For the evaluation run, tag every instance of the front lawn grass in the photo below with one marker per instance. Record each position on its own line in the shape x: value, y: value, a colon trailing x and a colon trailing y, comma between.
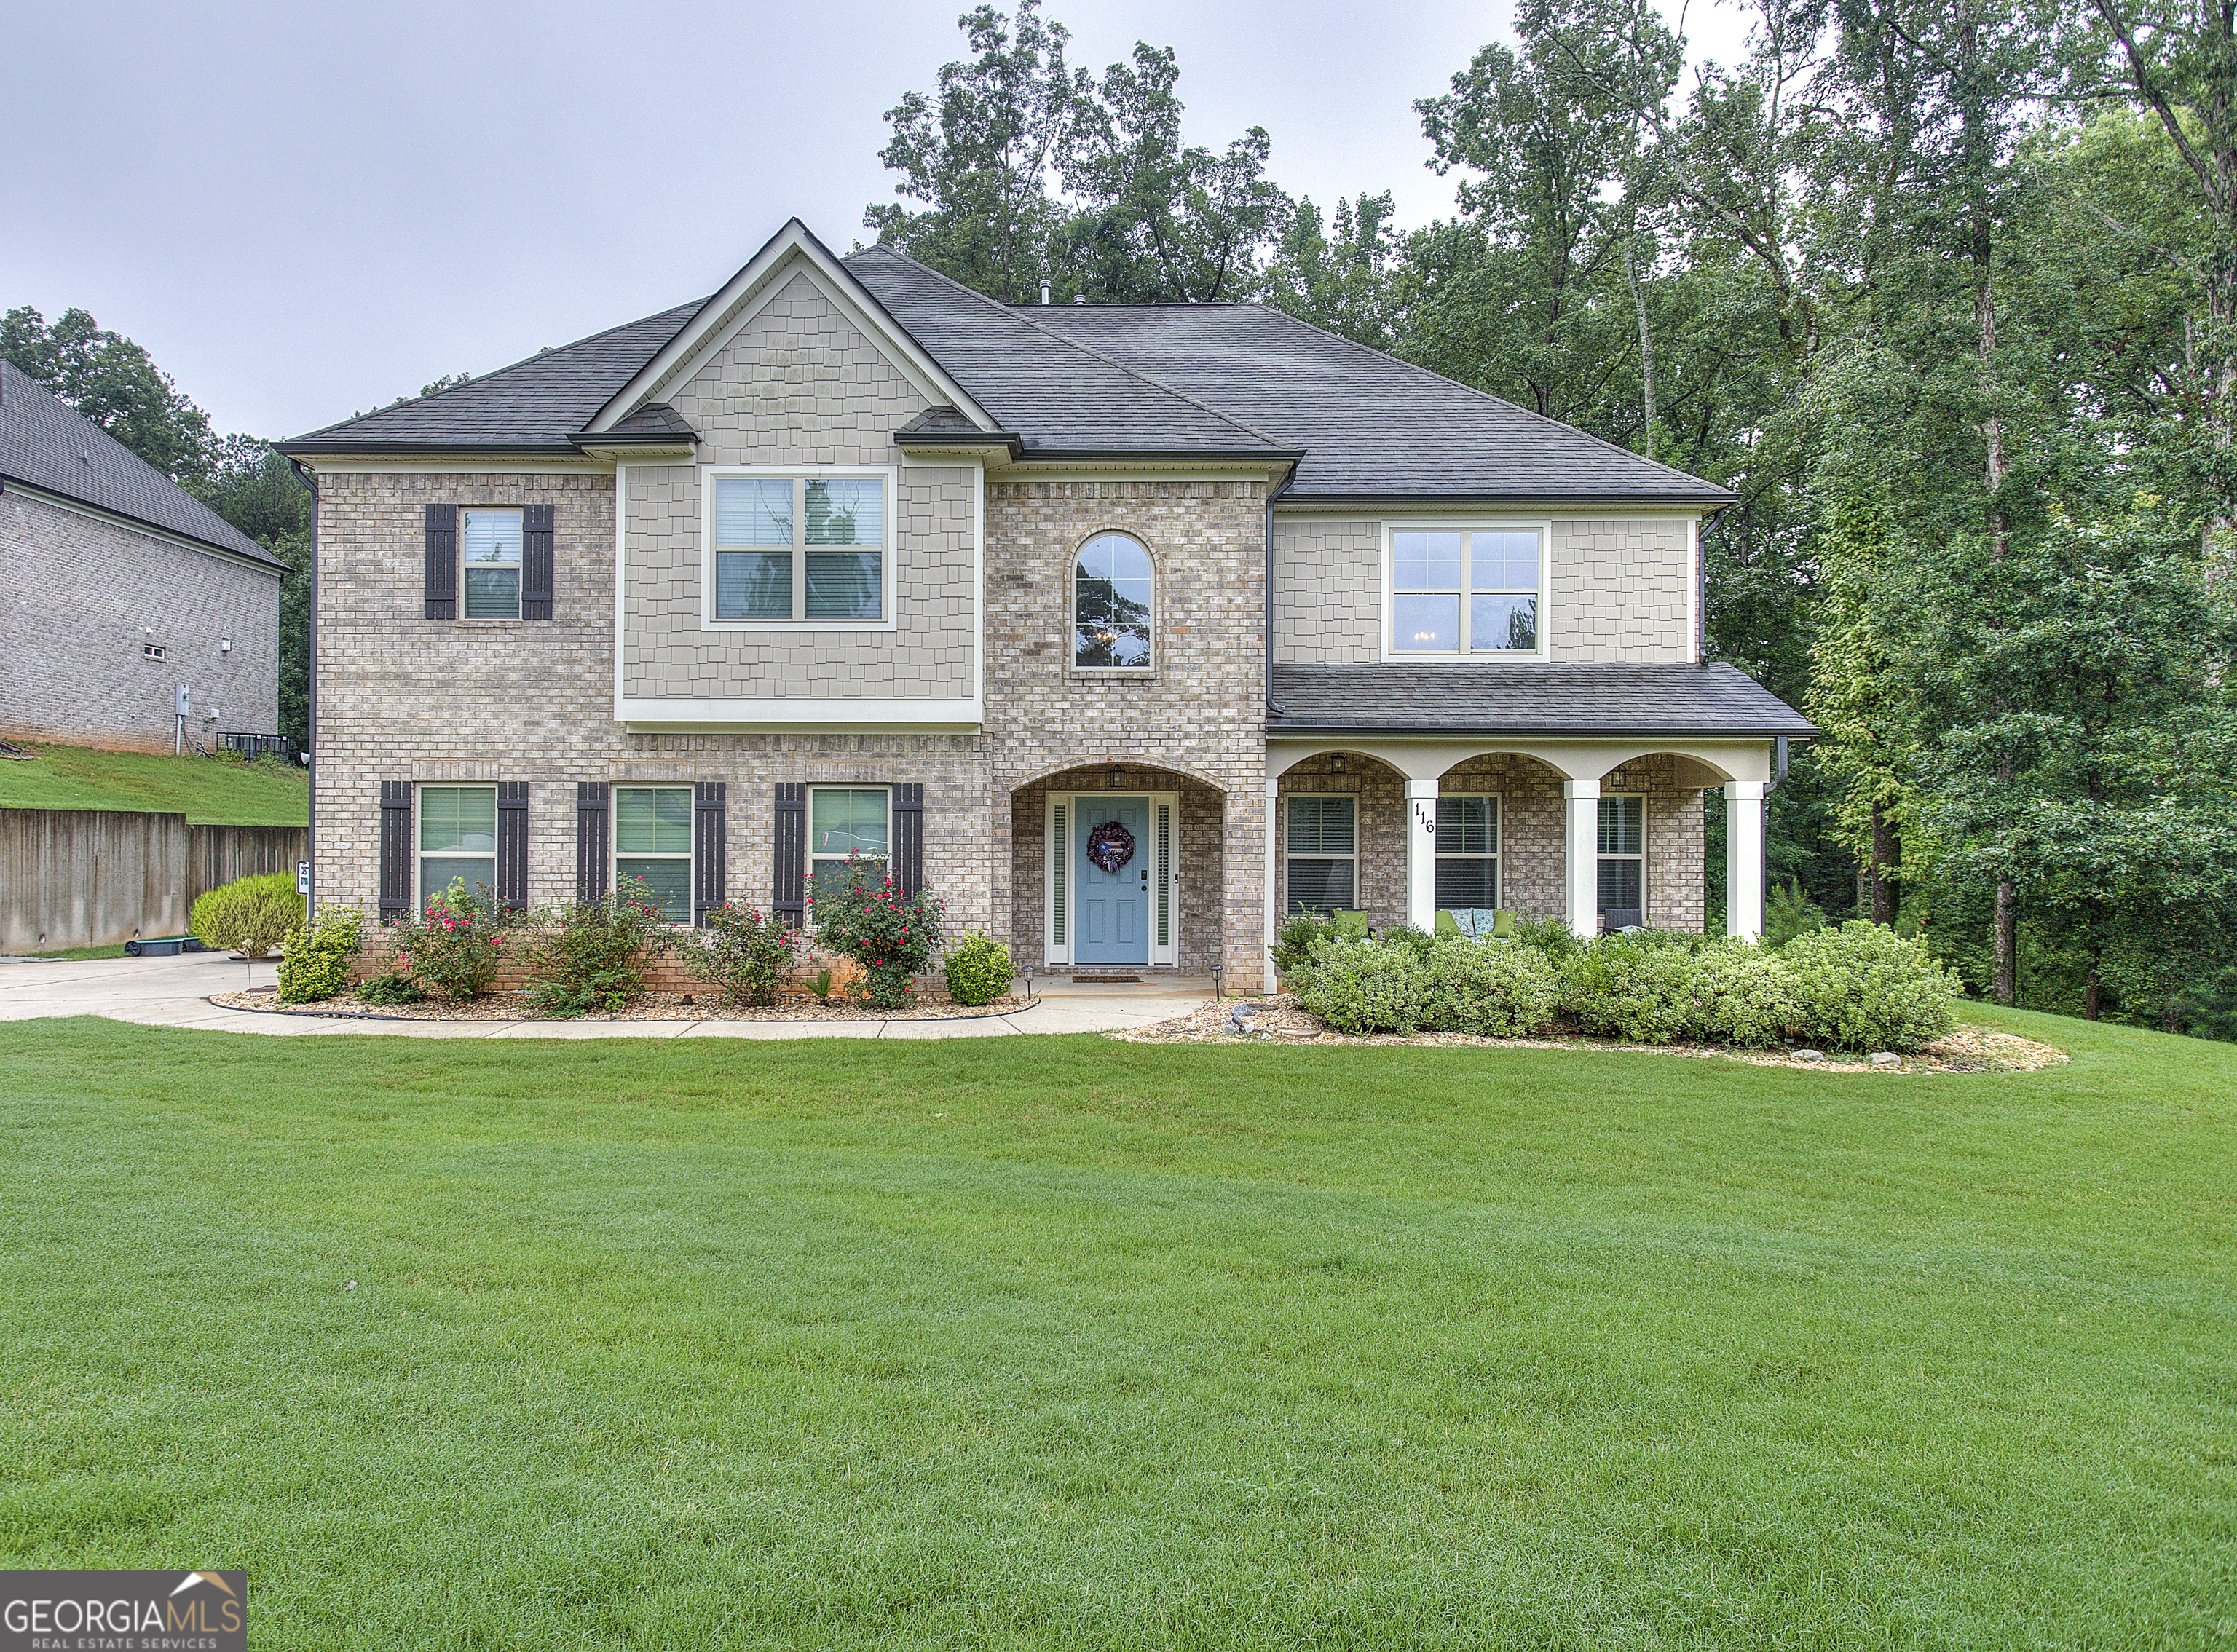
x: 1075, y: 1343
x: 206, y: 790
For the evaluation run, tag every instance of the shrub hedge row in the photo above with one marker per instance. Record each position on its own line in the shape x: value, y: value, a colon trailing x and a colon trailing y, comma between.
x: 1858, y: 987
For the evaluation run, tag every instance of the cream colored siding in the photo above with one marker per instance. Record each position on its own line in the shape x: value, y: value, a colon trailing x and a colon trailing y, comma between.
x: 1619, y: 590
x: 798, y: 384
x: 1327, y: 606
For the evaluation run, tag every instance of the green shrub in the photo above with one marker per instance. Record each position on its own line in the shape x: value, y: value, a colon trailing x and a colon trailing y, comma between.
x: 253, y: 914
x: 593, y: 955
x: 1298, y: 935
x: 1863, y: 987
x: 1633, y: 987
x: 455, y: 943
x: 1487, y: 988
x: 862, y: 913
x: 318, y: 964
x: 1547, y: 934
x: 743, y: 954
x: 979, y: 971
x: 390, y: 989
x: 1743, y: 994
x: 1364, y: 986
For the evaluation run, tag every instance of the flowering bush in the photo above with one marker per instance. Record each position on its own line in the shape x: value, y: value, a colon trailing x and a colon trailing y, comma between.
x: 454, y: 945
x: 743, y: 953
x: 862, y: 913
x: 593, y: 955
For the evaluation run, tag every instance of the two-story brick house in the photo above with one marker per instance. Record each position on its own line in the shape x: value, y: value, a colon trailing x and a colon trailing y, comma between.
x: 1120, y: 628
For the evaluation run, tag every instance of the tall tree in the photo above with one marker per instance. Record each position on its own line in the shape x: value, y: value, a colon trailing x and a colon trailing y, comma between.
x: 981, y: 157
x: 1337, y: 276
x: 113, y: 382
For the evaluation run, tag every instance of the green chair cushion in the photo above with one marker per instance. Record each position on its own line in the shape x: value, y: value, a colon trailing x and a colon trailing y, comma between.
x: 1502, y: 926
x: 1447, y: 924
x: 1350, y: 925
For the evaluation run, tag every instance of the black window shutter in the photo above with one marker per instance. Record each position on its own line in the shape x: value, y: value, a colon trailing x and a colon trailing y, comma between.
x: 442, y: 561
x: 908, y: 838
x: 710, y: 815
x: 536, y: 562
x: 395, y: 851
x: 512, y: 846
x: 790, y: 900
x: 592, y: 815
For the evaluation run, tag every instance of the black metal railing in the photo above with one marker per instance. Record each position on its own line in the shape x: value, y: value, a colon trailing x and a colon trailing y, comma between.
x: 277, y: 746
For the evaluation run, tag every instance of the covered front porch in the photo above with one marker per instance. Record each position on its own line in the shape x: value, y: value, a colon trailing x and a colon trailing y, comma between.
x: 1597, y: 834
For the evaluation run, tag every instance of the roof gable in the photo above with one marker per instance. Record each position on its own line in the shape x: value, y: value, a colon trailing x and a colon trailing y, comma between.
x: 47, y: 445
x: 790, y: 254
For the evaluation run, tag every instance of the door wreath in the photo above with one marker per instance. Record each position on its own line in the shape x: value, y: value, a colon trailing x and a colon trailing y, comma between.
x: 1110, y: 847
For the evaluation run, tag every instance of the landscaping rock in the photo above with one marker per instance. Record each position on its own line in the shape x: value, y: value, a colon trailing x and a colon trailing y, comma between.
x: 1886, y: 1058
x: 1808, y: 1055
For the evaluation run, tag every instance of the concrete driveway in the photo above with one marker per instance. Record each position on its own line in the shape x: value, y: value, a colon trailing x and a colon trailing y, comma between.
x: 173, y: 992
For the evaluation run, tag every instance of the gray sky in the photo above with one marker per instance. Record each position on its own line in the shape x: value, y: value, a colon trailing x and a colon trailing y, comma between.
x: 305, y: 210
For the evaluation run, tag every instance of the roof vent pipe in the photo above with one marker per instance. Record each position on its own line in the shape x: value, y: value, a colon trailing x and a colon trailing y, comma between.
x: 1044, y: 292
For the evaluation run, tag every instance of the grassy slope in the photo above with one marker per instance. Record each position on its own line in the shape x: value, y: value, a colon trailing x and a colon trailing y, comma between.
x: 1067, y: 1342
x: 203, y: 789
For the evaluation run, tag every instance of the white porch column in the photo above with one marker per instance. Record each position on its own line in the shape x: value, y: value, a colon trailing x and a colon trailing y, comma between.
x: 1584, y: 858
x: 1273, y: 849
x: 1744, y: 859
x: 1421, y: 855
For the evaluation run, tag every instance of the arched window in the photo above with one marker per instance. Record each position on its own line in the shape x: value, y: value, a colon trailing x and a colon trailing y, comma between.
x: 1114, y: 585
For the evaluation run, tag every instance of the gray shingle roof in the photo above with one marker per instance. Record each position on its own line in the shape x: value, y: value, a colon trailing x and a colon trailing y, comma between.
x: 1406, y: 697
x: 45, y: 444
x: 654, y: 419
x: 533, y: 405
x: 1372, y: 426
x: 1061, y: 396
x: 1115, y: 379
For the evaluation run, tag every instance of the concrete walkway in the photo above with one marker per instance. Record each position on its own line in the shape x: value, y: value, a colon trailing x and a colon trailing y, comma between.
x: 173, y: 992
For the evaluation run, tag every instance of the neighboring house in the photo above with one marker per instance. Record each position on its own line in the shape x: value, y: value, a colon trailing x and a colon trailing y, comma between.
x: 121, y: 588
x: 849, y: 558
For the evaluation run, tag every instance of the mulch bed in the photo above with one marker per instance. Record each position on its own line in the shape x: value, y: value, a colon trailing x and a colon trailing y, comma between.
x: 654, y: 1006
x: 1966, y: 1049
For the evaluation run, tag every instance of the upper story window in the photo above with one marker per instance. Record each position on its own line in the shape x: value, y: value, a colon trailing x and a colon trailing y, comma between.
x: 1113, y: 592
x: 489, y: 550
x: 1466, y: 590
x: 800, y: 550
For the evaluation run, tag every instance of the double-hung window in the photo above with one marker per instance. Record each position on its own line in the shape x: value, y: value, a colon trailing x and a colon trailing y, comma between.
x: 1466, y: 590
x: 458, y: 840
x: 845, y: 820
x: 1623, y: 862
x: 1468, y: 853
x: 800, y: 550
x: 652, y: 840
x: 1323, y: 854
x: 491, y: 551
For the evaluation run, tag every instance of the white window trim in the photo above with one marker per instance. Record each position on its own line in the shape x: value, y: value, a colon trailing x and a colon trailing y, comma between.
x: 1072, y: 668
x: 1289, y: 907
x: 519, y: 568
x: 1054, y: 952
x: 1542, y: 526
x: 808, y: 826
x: 1498, y: 857
x: 890, y: 474
x: 419, y: 789
x: 1640, y: 857
x: 614, y: 852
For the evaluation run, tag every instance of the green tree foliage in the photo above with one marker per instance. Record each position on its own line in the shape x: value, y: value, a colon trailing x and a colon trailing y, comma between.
x: 113, y: 383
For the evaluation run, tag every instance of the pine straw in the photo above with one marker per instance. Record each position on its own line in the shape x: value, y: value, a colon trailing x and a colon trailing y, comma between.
x: 653, y: 1006
x: 1966, y: 1049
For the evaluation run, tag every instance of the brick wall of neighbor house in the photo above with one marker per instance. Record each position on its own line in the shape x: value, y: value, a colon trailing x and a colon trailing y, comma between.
x: 1619, y: 589
x: 799, y: 384
x: 402, y: 697
x: 1200, y: 714
x: 81, y: 598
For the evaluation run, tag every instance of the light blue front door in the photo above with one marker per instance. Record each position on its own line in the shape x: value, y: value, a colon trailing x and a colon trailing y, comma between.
x: 1114, y: 905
